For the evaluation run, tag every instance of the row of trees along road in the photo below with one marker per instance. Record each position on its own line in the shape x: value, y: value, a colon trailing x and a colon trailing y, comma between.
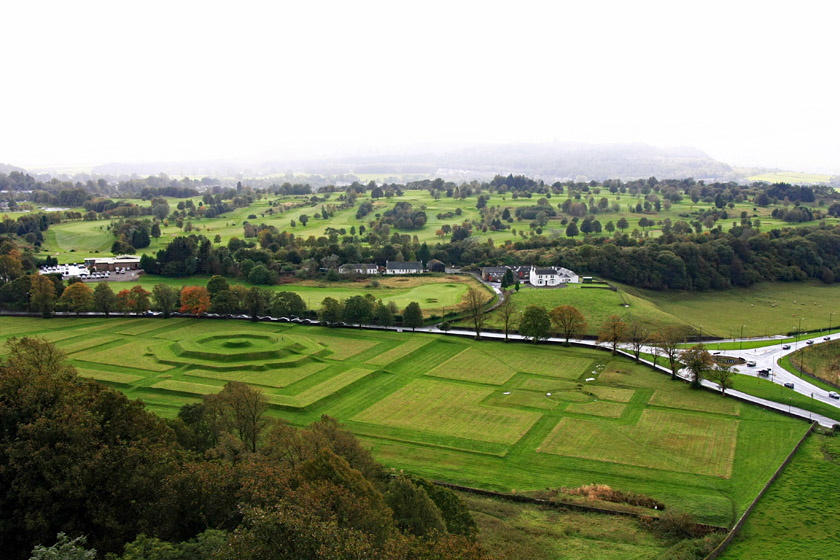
x: 538, y: 324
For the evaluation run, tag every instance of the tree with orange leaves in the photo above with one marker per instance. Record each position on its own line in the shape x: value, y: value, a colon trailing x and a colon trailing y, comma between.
x: 195, y: 300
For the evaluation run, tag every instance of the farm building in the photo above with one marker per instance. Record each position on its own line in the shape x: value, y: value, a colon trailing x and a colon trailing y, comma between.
x: 358, y: 268
x: 536, y: 276
x: 129, y: 262
x: 396, y: 267
x: 435, y: 265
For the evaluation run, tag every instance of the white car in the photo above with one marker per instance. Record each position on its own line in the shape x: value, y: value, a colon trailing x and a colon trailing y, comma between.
x: 833, y: 395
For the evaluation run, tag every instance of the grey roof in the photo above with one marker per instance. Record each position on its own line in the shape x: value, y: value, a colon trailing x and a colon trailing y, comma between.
x: 411, y: 265
x: 494, y: 269
x: 545, y: 271
x: 354, y: 266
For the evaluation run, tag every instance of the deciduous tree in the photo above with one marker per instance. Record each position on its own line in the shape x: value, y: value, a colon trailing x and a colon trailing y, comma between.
x: 612, y: 331
x: 412, y: 316
x: 697, y: 361
x: 668, y: 339
x: 104, y: 299
x: 475, y: 301
x: 166, y: 298
x: 567, y: 320
x: 722, y: 375
x: 508, y: 311
x: 42, y: 295
x: 195, y: 300
x: 535, y: 323
x: 77, y: 297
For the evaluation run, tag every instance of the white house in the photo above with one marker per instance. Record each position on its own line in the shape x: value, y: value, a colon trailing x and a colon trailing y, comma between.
x: 396, y: 267
x: 552, y: 276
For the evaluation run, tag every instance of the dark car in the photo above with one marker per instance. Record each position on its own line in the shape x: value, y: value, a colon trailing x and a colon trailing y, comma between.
x: 810, y: 342
x: 789, y: 385
x: 786, y: 347
x: 826, y: 338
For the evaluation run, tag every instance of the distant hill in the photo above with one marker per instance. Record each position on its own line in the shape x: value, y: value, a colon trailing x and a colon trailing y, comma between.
x: 550, y: 162
x: 553, y: 161
x: 6, y: 168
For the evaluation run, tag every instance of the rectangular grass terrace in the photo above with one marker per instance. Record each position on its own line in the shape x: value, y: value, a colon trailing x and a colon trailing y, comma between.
x: 478, y: 413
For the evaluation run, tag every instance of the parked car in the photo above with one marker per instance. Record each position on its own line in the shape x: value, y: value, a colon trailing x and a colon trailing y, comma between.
x: 833, y: 395
x: 786, y: 347
x: 789, y: 385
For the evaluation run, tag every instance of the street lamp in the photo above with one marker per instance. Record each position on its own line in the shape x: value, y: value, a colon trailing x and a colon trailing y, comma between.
x: 798, y: 330
x: 829, y: 322
x: 741, y: 342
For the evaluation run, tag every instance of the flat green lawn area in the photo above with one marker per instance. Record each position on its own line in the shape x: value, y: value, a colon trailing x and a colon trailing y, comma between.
x: 485, y: 414
x: 797, y: 517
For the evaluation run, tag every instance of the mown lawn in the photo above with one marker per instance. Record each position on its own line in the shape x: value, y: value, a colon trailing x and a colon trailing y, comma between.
x: 484, y: 414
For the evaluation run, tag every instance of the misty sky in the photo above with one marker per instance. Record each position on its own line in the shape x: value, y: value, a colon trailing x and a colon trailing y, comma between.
x: 751, y: 83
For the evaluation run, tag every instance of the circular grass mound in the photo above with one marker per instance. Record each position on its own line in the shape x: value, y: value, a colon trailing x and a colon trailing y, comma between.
x: 237, y: 343
x: 240, y: 350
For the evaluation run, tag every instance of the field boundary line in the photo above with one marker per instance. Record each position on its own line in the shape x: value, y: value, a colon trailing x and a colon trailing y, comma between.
x: 700, y: 528
x: 721, y: 548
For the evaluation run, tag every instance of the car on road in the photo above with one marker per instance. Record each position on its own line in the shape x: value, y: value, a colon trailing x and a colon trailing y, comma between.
x: 833, y: 395
x: 751, y: 364
x: 789, y: 385
x: 764, y: 373
x: 810, y: 342
x: 826, y: 338
x: 786, y: 347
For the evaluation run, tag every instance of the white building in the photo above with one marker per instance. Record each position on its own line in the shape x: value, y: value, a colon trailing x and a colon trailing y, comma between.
x: 552, y: 276
x: 396, y: 267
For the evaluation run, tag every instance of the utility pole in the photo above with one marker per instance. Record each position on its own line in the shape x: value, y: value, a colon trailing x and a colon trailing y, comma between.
x: 741, y: 342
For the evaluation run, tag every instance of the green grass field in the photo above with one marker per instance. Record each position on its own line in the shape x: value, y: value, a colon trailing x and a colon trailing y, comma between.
x: 75, y: 240
x: 792, y: 177
x: 797, y: 517
x: 764, y: 309
x: 539, y: 424
x: 436, y: 294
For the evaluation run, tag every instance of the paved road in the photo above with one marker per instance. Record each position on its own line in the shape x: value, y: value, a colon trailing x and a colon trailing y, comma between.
x: 764, y: 357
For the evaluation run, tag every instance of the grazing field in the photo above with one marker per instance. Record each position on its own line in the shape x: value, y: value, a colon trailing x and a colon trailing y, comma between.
x: 423, y: 403
x: 764, y: 309
x: 797, y: 517
x: 792, y: 177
